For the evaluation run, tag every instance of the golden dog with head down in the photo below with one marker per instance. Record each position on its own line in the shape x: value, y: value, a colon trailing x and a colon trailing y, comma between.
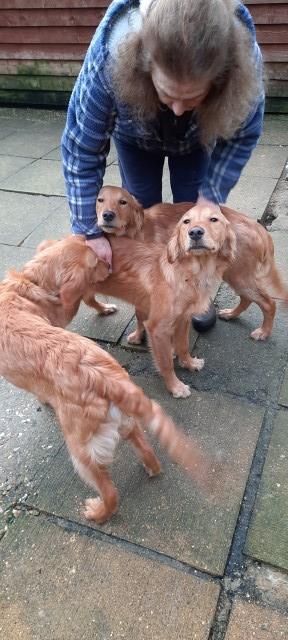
x: 92, y: 395
x: 253, y: 274
x: 169, y: 284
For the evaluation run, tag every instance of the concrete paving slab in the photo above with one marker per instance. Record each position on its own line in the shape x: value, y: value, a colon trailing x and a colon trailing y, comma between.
x: 34, y: 141
x: 283, y: 396
x: 42, y: 176
x: 249, y: 620
x: 107, y: 328
x: 55, y: 154
x: 54, y: 227
x: 29, y: 435
x: 275, y: 130
x: 10, y: 165
x: 268, y: 585
x: 268, y: 534
x: 13, y: 258
x: 251, y: 195
x: 105, y: 591
x: 170, y: 513
x: 22, y: 213
x: 266, y: 161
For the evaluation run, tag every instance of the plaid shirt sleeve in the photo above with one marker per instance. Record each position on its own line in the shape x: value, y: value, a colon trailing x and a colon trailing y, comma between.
x: 86, y: 141
x: 230, y: 157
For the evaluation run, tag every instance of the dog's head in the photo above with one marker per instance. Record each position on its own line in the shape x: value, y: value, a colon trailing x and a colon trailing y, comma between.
x: 200, y: 231
x: 67, y: 268
x: 118, y: 212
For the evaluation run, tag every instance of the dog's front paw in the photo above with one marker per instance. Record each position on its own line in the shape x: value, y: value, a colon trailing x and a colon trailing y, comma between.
x: 259, y: 334
x: 180, y: 390
x: 154, y: 468
x: 193, y: 364
x: 135, y: 337
x: 108, y: 309
x: 226, y: 314
x: 96, y: 510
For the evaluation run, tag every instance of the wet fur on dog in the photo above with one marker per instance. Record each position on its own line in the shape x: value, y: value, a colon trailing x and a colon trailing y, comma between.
x: 253, y: 274
x: 93, y: 397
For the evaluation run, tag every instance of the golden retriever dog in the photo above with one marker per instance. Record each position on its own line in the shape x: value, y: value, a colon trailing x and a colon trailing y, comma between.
x: 168, y: 284
x: 93, y: 397
x: 253, y: 274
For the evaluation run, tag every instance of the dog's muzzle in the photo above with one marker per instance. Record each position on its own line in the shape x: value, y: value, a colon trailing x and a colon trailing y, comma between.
x: 196, y: 236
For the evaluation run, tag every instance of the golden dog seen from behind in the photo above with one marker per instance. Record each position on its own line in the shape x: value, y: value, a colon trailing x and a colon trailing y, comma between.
x: 93, y: 397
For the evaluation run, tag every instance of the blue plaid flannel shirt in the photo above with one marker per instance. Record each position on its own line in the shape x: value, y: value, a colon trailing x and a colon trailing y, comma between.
x: 94, y: 115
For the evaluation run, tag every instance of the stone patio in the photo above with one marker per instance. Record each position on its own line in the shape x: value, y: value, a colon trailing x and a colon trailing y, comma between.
x: 176, y: 561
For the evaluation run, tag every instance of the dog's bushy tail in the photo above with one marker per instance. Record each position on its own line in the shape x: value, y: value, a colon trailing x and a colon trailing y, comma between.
x: 181, y: 449
x: 278, y: 289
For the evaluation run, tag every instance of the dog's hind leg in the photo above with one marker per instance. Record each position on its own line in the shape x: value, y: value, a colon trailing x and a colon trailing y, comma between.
x: 268, y: 308
x: 96, y: 475
x: 136, y: 437
x: 137, y: 336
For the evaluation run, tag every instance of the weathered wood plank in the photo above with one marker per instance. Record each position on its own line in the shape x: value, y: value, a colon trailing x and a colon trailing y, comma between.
x: 277, y: 89
x: 269, y: 14
x: 47, y: 35
x: 35, y: 98
x: 272, y: 33
x: 251, y: 2
x: 53, y: 4
x: 275, y: 52
x: 40, y: 67
x: 36, y: 83
x: 43, y: 51
x: 277, y: 70
x: 10, y: 18
x: 276, y: 105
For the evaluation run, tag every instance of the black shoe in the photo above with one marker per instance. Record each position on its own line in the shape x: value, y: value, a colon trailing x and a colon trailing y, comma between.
x: 206, y: 321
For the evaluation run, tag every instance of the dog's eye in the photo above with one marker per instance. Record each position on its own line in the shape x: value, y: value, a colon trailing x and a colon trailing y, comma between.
x: 186, y: 221
x: 100, y: 199
x: 214, y: 219
x: 123, y: 202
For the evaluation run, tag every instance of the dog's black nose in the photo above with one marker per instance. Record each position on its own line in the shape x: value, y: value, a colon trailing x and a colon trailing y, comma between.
x: 108, y: 216
x: 196, y: 233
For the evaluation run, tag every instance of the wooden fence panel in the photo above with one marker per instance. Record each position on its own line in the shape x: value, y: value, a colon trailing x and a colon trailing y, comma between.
x: 42, y: 39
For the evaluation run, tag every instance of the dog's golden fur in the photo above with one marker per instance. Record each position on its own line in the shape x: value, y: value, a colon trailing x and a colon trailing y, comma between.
x: 92, y: 395
x: 253, y: 274
x: 168, y: 284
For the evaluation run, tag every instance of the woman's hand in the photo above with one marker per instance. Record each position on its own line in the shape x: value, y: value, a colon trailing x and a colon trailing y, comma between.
x: 102, y: 248
x: 207, y: 204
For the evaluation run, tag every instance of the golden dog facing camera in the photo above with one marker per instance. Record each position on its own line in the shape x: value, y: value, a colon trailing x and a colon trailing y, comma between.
x: 168, y: 284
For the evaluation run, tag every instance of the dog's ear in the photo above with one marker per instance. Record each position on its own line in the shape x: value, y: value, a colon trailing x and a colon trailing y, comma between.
x: 173, y: 247
x: 138, y: 215
x: 45, y: 244
x: 101, y: 271
x: 228, y: 249
x: 98, y: 269
x: 73, y: 290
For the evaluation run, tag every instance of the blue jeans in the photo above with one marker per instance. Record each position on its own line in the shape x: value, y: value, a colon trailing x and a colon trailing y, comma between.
x: 141, y: 173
